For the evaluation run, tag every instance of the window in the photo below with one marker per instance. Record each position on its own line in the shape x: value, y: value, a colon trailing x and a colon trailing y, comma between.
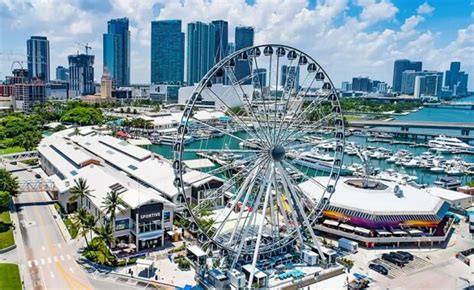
x: 166, y: 216
x: 122, y: 224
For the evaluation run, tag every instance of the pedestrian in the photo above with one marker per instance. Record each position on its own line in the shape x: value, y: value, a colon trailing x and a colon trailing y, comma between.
x: 156, y: 277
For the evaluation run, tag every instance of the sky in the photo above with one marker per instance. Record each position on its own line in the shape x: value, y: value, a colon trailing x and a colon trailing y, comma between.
x: 347, y: 37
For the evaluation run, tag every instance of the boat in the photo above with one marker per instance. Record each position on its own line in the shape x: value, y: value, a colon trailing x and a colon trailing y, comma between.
x: 171, y: 139
x: 454, y: 171
x: 392, y: 159
x: 391, y: 175
x: 324, y: 162
x: 415, y: 162
x: 437, y: 169
x: 448, y: 183
x: 448, y: 143
x: 250, y: 143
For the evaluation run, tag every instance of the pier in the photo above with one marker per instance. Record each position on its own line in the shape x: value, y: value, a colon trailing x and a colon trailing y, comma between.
x: 405, y: 126
x: 452, y: 105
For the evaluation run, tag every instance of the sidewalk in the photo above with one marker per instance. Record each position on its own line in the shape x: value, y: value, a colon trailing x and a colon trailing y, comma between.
x: 19, y: 251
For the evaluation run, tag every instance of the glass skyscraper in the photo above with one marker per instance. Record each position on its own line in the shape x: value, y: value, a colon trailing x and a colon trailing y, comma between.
x: 399, y: 67
x: 456, y: 79
x: 38, y: 58
x: 167, y: 52
x: 62, y: 73
x: 200, y: 54
x: 117, y: 51
x: 221, y: 39
x: 244, y: 36
x: 81, y: 75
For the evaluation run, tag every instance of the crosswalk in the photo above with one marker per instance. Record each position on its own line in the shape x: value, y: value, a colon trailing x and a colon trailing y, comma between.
x: 48, y: 260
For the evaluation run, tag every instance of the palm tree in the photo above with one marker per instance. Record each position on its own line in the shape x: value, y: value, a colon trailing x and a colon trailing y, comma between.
x: 80, y: 191
x: 79, y: 220
x: 111, y: 204
x: 105, y: 233
x: 90, y: 224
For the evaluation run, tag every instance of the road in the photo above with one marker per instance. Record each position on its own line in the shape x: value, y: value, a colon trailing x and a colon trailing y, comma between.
x: 46, y: 257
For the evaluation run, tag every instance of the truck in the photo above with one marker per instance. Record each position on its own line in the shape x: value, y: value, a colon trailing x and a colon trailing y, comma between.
x: 348, y: 245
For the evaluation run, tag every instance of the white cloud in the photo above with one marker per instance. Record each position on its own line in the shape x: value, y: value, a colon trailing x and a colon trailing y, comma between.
x: 425, y: 8
x: 345, y: 45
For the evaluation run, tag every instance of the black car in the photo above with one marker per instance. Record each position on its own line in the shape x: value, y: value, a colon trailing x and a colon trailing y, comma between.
x: 401, y: 257
x: 393, y: 259
x: 378, y: 268
x: 406, y: 254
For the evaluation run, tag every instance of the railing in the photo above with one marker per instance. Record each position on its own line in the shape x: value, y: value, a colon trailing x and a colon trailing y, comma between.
x: 36, y: 186
x: 20, y: 156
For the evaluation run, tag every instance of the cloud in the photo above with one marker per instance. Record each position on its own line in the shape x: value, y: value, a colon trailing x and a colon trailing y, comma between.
x: 425, y: 8
x: 346, y: 43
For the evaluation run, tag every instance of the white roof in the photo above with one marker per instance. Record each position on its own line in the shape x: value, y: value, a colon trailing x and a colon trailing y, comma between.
x: 446, y: 194
x: 347, y: 227
x: 139, y: 142
x: 258, y: 274
x: 198, y: 178
x: 145, y: 262
x: 414, y: 201
x: 362, y: 230
x: 72, y: 152
x: 125, y: 147
x: 198, y: 163
x: 383, y: 232
x: 331, y: 223
x: 196, y: 250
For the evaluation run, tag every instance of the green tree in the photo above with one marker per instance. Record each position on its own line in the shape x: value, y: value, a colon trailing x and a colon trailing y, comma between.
x: 105, y: 233
x: 111, y: 204
x: 79, y: 191
x: 79, y: 220
x: 29, y: 140
x: 8, y: 182
x: 4, y: 200
x: 83, y: 116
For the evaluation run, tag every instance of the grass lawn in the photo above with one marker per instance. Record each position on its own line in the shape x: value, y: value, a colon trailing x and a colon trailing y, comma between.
x: 6, y: 232
x: 10, y: 277
x: 70, y: 227
x: 352, y: 117
x: 10, y: 150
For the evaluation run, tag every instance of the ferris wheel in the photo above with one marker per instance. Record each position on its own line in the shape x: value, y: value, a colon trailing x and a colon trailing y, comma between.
x: 275, y: 111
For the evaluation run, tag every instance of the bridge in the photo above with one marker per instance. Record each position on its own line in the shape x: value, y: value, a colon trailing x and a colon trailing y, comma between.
x: 37, y: 185
x: 404, y: 126
x: 469, y: 105
x: 20, y: 156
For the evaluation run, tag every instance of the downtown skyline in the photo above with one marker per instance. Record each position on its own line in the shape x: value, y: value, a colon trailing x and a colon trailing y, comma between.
x: 376, y: 32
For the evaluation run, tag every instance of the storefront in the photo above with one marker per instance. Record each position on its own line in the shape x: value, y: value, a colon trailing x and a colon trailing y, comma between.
x: 148, y: 227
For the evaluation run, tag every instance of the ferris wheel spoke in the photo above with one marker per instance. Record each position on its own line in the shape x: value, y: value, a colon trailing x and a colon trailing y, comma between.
x: 242, y: 124
x: 248, y: 221
x: 312, y: 78
x: 300, y: 210
x: 250, y: 107
x: 219, y: 129
x: 317, y: 183
x: 220, y: 150
x: 297, y: 131
x: 260, y: 229
x: 262, y: 95
x: 248, y: 179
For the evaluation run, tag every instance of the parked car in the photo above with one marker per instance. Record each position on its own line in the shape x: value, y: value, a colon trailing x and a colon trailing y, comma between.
x: 406, y: 254
x: 13, y: 163
x: 401, y: 257
x: 37, y: 175
x: 378, y: 268
x: 393, y: 259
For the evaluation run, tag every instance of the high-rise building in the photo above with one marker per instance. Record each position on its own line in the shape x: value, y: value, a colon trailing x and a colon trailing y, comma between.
x: 200, y: 54
x: 456, y: 80
x: 81, y: 75
x: 167, y: 52
x: 399, y: 66
x: 260, y: 78
x: 38, y: 58
x: 230, y: 48
x: 346, y: 86
x: 244, y: 37
x: 62, y: 73
x: 221, y: 39
x: 361, y: 84
x: 117, y: 51
x: 290, y: 74
x: 106, y: 84
x: 24, y: 94
x: 425, y: 86
x: 382, y: 87
x: 428, y: 84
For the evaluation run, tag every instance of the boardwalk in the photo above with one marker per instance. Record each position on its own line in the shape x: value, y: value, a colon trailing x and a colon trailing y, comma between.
x: 414, y: 124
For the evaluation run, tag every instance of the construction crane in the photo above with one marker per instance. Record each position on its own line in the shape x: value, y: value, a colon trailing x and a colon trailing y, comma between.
x: 86, y: 46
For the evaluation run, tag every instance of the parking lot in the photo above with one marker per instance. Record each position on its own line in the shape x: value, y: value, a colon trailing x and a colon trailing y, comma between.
x: 395, y: 271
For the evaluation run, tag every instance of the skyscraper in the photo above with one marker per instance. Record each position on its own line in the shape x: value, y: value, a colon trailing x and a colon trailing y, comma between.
x: 286, y: 72
x: 81, y: 75
x: 429, y: 83
x: 399, y: 67
x: 200, y: 52
x: 38, y: 58
x: 244, y: 36
x: 221, y: 39
x: 62, y: 73
x: 117, y: 51
x: 456, y: 79
x: 361, y: 84
x: 167, y: 52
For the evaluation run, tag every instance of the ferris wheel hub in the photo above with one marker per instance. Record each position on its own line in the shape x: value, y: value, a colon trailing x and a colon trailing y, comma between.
x: 278, y: 153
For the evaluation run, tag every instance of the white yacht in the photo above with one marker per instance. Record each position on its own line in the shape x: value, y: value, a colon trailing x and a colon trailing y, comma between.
x: 443, y: 142
x: 324, y: 162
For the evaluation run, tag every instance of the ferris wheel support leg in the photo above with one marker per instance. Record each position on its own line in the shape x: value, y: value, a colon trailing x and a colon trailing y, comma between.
x: 305, y: 218
x: 249, y: 224
x: 260, y: 229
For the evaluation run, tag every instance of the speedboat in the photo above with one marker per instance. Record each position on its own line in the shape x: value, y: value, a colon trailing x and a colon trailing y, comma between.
x: 454, y: 171
x: 415, y: 162
x: 448, y: 183
x: 437, y: 169
x: 392, y: 159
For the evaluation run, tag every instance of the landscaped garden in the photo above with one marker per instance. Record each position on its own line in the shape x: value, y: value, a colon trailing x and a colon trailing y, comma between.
x: 10, y: 277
